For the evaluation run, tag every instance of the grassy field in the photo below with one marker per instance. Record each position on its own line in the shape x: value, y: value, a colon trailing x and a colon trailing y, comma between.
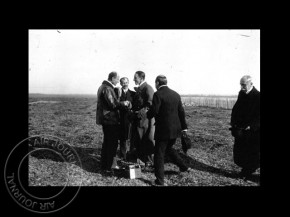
x: 72, y: 118
x: 226, y: 102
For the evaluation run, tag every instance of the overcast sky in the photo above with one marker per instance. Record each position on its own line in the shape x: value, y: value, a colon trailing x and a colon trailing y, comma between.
x: 194, y: 61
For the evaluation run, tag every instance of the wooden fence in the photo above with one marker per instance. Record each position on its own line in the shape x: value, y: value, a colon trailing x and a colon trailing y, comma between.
x: 207, y: 101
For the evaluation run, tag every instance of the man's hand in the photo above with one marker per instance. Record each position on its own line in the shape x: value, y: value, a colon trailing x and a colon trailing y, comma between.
x: 247, y: 128
x: 125, y: 103
x: 142, y: 113
x: 129, y: 105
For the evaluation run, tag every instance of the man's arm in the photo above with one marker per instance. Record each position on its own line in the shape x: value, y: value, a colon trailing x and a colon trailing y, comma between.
x: 149, y: 93
x: 181, y: 115
x: 234, y: 111
x: 154, y: 108
x: 255, y: 123
x: 111, y: 99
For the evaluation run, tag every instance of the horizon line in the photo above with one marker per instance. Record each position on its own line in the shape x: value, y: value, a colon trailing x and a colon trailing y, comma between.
x: 96, y: 94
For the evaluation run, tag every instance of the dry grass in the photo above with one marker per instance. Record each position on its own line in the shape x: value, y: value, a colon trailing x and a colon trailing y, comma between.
x: 73, y: 119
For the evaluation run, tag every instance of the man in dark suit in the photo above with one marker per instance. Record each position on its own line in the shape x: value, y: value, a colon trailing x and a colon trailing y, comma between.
x: 169, y: 124
x: 245, y: 126
x: 125, y: 95
x: 142, y: 128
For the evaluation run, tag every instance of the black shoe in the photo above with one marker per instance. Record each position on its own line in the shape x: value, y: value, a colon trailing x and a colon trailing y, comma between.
x: 149, y: 165
x: 123, y: 159
x: 157, y: 183
x: 107, y: 172
x: 245, y: 174
x: 116, y: 167
x: 103, y: 168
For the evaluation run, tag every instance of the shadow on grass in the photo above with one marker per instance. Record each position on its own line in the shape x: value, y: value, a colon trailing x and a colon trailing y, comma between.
x: 146, y: 181
x: 89, y: 157
x: 194, y: 164
x: 171, y: 172
x: 90, y: 161
x: 254, y: 178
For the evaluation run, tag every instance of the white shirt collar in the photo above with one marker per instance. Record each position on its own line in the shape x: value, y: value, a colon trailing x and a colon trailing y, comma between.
x: 142, y: 83
x: 111, y: 83
x: 161, y: 86
x: 249, y: 90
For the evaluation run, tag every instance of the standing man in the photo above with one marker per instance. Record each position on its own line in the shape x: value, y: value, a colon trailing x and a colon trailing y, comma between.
x: 125, y: 95
x: 170, y: 123
x: 245, y: 126
x: 142, y: 128
x: 108, y: 116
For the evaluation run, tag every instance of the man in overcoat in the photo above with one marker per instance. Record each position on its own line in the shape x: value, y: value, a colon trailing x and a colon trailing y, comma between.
x: 245, y: 127
x: 108, y: 116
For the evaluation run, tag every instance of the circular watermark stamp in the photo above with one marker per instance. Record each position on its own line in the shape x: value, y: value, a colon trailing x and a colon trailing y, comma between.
x: 39, y: 173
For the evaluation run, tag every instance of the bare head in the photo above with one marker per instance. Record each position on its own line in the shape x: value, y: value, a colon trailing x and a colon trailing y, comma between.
x: 139, y: 77
x: 160, y: 80
x: 246, y: 83
x: 124, y: 82
x: 114, y: 78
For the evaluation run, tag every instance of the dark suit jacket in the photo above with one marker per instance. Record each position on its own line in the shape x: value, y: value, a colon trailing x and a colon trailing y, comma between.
x: 127, y: 96
x: 169, y: 114
x: 143, y: 97
x: 125, y: 113
x: 246, y: 111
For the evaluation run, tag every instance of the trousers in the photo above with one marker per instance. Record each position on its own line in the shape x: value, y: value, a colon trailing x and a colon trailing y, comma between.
x: 109, y: 146
x: 162, y: 148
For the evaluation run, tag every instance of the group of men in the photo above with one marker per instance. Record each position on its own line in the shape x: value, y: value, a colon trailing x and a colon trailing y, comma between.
x: 152, y: 121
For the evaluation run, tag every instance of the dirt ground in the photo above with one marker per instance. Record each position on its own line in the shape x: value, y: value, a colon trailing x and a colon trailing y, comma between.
x: 73, y: 120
